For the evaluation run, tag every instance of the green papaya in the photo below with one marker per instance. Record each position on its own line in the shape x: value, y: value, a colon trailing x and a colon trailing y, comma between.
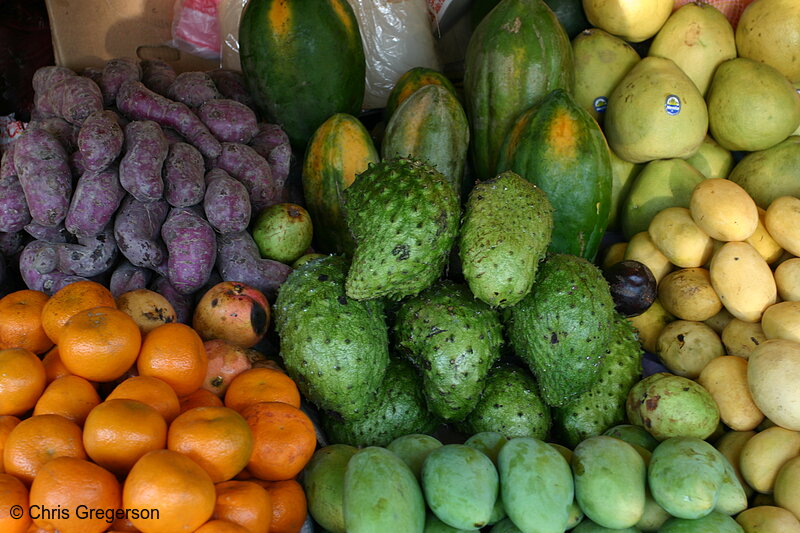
x: 517, y: 54
x: 557, y: 145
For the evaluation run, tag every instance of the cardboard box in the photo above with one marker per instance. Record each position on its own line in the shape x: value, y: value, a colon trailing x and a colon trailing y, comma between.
x: 87, y: 33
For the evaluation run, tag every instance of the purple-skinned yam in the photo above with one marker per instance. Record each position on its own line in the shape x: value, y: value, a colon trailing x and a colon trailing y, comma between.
x: 238, y: 259
x: 140, y: 168
x: 128, y: 277
x: 137, y: 102
x: 137, y: 229
x: 226, y: 203
x: 246, y: 165
x: 191, y: 248
x: 100, y: 140
x: 43, y: 170
x: 184, y: 175
x: 96, y: 199
x: 229, y: 120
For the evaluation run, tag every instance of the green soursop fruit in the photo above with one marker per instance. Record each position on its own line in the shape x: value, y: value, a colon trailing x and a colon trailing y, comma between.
x: 397, y: 408
x: 403, y: 215
x: 603, y: 405
x: 335, y: 348
x: 453, y: 340
x: 563, y: 328
x: 510, y: 405
x: 508, y: 222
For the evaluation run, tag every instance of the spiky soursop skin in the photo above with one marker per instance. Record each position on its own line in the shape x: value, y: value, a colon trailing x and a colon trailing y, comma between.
x: 603, y: 405
x: 403, y: 215
x: 506, y: 230
x: 453, y: 339
x: 397, y: 408
x: 335, y: 348
x: 510, y: 405
x: 564, y: 327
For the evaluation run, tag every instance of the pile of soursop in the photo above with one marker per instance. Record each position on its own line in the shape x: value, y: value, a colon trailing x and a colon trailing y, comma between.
x: 449, y: 317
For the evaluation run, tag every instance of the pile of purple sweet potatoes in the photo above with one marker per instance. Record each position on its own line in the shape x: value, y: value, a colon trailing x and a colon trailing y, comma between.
x: 139, y: 177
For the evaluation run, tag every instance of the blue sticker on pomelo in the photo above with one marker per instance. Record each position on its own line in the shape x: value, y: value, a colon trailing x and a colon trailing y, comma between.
x: 672, y: 105
x: 600, y: 103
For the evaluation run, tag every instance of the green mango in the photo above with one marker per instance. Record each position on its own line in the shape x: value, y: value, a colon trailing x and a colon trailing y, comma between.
x: 323, y: 482
x: 382, y: 494
x: 587, y: 526
x: 413, y: 449
x: 610, y: 479
x: 434, y: 525
x: 685, y: 476
x: 536, y: 485
x: 633, y: 435
x: 460, y: 485
x: 716, y: 522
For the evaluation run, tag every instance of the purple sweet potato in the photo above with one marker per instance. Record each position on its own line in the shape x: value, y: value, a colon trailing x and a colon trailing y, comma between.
x: 184, y: 175
x: 43, y: 169
x: 95, y: 201
x: 37, y: 267
x: 182, y: 303
x: 226, y: 203
x: 173, y: 136
x: 192, y: 249
x: 128, y: 277
x: 93, y: 73
x: 146, y: 148
x: 65, y: 132
x: 14, y: 213
x: 52, y: 234
x: 90, y: 256
x: 115, y: 72
x: 46, y: 76
x: 231, y: 84
x: 157, y: 75
x: 280, y: 161
x: 246, y: 165
x: 268, y: 137
x: 238, y: 260
x: 229, y: 120
x: 137, y: 229
x: 100, y: 140
x: 76, y: 167
x: 72, y: 98
x: 140, y: 103
x: 193, y: 88
x: 273, y: 145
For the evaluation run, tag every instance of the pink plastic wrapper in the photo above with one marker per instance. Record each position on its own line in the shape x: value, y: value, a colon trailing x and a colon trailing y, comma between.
x: 732, y: 9
x: 195, y: 27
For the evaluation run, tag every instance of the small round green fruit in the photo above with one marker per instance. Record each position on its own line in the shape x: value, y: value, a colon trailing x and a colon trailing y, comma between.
x: 283, y: 232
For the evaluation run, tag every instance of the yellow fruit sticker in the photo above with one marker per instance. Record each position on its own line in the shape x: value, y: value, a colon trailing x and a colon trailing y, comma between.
x: 600, y: 103
x: 672, y: 105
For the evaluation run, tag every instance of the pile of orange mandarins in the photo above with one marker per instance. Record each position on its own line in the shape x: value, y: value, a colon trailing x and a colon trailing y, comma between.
x: 112, y: 424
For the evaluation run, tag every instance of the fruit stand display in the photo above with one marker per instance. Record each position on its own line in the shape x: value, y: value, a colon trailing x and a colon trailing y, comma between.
x: 557, y: 291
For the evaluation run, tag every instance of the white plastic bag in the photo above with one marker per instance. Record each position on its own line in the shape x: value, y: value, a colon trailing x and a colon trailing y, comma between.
x: 230, y: 14
x: 195, y: 27
x: 397, y: 37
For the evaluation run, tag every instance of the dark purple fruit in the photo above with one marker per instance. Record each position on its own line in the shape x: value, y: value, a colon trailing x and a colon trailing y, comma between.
x: 633, y: 287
